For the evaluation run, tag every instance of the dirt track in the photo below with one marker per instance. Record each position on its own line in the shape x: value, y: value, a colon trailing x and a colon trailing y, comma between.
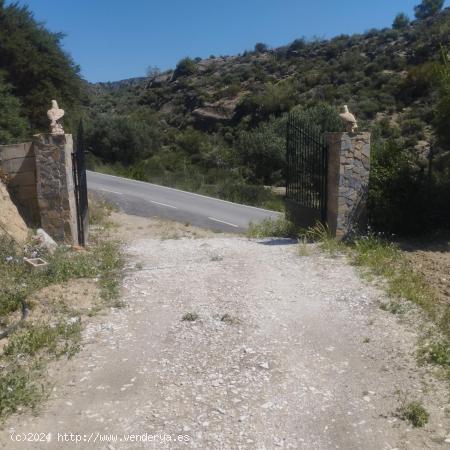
x: 288, y: 351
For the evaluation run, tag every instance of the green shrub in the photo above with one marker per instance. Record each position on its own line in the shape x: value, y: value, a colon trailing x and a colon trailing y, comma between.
x: 321, y: 117
x: 438, y: 352
x: 428, y: 8
x: 413, y: 127
x: 321, y: 234
x: 416, y: 414
x: 262, y: 152
x: 124, y: 139
x: 401, y: 21
x: 185, y: 67
x: 261, y: 48
x: 190, y: 317
x: 57, y: 340
x: 274, y: 99
x: 18, y: 388
x: 442, y: 110
x: 397, y: 189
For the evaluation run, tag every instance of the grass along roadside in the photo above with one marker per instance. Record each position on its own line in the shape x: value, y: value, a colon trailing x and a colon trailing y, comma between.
x: 53, y: 328
x: 218, y: 184
x: 380, y: 258
x: 281, y: 228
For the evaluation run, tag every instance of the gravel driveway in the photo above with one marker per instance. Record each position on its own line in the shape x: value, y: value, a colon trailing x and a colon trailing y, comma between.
x: 288, y: 351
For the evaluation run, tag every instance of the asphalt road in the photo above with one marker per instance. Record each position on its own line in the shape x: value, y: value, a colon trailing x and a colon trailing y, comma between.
x: 150, y: 200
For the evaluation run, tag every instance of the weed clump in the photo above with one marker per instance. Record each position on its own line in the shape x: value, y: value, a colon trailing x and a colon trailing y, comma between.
x: 272, y: 228
x: 190, y: 317
x: 63, y: 338
x: 229, y: 319
x: 19, y: 387
x: 321, y: 234
x: 415, y: 413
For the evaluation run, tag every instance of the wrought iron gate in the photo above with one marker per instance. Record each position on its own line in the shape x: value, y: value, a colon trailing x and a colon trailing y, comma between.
x: 80, y: 182
x: 306, y: 177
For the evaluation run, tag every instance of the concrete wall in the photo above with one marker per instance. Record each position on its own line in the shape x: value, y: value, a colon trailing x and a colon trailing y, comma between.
x: 17, y: 162
x: 348, y: 181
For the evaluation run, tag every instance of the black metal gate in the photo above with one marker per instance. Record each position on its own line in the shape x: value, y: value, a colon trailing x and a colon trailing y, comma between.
x: 80, y: 182
x: 306, y: 178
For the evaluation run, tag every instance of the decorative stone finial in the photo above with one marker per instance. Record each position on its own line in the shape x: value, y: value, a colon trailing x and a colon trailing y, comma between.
x: 349, y: 120
x: 54, y: 115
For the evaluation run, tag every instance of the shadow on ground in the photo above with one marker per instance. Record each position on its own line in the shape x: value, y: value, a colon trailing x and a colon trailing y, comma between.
x: 279, y: 241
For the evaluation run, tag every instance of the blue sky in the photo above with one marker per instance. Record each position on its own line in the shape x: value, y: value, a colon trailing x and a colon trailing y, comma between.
x: 113, y: 40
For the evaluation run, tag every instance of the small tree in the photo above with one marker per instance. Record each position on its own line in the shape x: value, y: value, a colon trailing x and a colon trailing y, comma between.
x: 185, y: 67
x: 153, y: 71
x: 261, y: 48
x: 297, y: 44
x: 401, y: 21
x: 428, y: 8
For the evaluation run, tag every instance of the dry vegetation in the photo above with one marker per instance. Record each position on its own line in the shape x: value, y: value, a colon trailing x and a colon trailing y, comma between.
x: 75, y: 285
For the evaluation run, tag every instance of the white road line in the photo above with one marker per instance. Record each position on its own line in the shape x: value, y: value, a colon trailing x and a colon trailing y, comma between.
x: 157, y: 186
x: 163, y: 204
x: 107, y: 190
x: 222, y: 221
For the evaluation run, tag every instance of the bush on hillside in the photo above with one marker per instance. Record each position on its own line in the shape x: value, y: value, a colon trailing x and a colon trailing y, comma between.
x: 397, y: 189
x: 261, y: 48
x: 322, y: 117
x: 428, y: 8
x: 442, y: 111
x: 13, y: 127
x: 185, y: 67
x: 401, y: 21
x: 274, y: 99
x: 122, y: 139
x: 262, y: 152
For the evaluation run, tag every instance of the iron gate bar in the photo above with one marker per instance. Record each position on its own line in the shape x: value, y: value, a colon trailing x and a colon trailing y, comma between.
x: 306, y: 175
x: 80, y: 182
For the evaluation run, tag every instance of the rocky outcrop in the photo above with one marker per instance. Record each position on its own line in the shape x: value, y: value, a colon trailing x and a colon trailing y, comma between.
x: 11, y: 222
x: 221, y: 111
x: 159, y: 80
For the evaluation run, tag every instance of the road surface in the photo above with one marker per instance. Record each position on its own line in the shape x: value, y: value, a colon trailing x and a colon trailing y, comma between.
x: 149, y: 200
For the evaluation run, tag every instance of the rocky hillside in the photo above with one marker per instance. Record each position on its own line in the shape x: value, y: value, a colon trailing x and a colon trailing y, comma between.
x: 379, y: 72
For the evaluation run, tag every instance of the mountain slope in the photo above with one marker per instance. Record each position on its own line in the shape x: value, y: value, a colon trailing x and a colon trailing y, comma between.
x: 371, y: 72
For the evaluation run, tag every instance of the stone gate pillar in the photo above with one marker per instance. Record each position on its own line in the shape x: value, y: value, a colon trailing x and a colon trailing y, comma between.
x: 55, y: 186
x: 347, y: 181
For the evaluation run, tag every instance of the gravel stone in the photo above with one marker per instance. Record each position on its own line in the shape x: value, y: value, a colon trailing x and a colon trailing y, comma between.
x: 288, y: 373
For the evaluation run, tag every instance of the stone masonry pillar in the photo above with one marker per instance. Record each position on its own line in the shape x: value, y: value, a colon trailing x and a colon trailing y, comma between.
x: 348, y: 181
x: 55, y: 186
